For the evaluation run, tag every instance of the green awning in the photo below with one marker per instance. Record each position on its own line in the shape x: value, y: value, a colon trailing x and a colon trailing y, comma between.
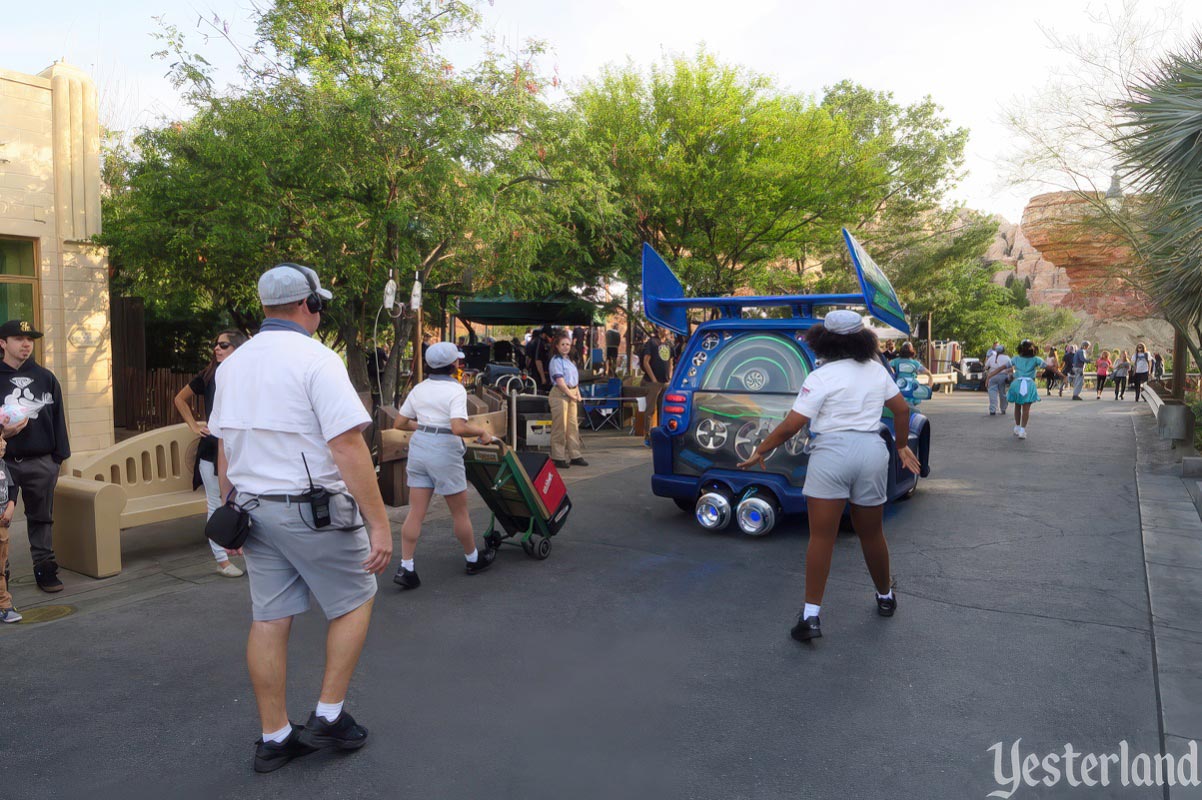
x: 558, y: 309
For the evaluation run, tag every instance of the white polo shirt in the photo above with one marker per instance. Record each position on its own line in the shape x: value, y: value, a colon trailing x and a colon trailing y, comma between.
x: 436, y: 401
x: 845, y: 395
x: 280, y: 395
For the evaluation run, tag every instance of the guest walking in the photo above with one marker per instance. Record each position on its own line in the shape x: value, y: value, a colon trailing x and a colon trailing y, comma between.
x: 1141, y: 369
x: 1103, y: 370
x: 842, y: 402
x: 997, y: 370
x: 1158, y: 367
x: 1024, y: 393
x: 205, y: 385
x: 1122, y: 368
x: 1051, y: 370
x: 1080, y: 360
x: 1066, y: 366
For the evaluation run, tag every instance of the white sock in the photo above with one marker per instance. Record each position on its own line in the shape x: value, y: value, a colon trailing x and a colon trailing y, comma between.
x: 407, y: 563
x: 280, y: 735
x: 472, y: 556
x: 329, y: 711
x: 885, y: 596
x: 811, y: 610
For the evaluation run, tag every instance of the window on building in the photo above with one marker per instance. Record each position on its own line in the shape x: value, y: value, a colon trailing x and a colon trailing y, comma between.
x: 18, y: 280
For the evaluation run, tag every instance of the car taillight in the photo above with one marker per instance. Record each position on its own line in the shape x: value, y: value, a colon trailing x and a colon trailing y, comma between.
x: 675, y: 398
x: 673, y: 425
x: 673, y: 409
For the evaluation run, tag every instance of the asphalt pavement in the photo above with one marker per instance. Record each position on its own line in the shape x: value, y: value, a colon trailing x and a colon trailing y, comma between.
x: 646, y: 658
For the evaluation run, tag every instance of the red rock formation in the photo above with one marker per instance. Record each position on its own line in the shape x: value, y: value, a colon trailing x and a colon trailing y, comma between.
x: 1065, y: 229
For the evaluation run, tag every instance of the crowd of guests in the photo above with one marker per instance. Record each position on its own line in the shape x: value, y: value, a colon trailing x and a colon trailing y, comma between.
x: 1013, y: 380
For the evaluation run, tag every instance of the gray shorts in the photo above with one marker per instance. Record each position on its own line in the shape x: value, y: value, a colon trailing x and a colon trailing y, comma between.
x: 287, y: 560
x: 436, y: 462
x: 852, y: 465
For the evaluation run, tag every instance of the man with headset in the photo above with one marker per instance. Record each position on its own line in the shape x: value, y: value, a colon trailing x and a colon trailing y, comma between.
x: 293, y: 454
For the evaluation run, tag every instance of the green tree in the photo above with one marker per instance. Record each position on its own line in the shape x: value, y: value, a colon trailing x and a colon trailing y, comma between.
x: 739, y: 183
x: 353, y: 145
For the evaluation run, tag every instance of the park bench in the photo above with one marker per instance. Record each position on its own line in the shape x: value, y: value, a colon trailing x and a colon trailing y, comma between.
x: 140, y: 481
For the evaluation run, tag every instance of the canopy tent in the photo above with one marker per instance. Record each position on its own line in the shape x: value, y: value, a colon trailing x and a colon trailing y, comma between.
x: 562, y: 308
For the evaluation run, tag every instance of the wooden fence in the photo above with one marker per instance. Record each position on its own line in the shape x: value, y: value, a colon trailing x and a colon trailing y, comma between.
x: 149, y: 398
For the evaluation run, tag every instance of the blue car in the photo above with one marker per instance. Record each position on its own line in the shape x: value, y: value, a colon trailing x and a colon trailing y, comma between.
x: 737, y: 379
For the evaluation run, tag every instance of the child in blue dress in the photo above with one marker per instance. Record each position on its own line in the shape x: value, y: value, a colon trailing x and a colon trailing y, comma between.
x: 1023, y: 391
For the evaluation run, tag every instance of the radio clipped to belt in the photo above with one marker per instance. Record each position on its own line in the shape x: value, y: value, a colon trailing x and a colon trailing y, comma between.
x: 318, y: 499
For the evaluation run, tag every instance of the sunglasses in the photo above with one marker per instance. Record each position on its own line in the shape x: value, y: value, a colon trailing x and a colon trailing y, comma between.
x: 222, y: 345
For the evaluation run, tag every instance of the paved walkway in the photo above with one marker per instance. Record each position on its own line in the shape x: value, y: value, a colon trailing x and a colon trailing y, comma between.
x: 647, y: 658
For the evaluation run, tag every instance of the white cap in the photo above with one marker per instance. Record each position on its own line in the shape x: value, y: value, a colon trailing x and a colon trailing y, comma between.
x: 843, y: 321
x: 289, y: 283
x: 442, y: 354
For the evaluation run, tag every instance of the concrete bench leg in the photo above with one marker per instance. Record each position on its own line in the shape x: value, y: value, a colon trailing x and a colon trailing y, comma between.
x: 87, y: 526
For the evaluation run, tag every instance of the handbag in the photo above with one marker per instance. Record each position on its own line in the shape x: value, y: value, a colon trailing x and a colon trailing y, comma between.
x: 229, y: 525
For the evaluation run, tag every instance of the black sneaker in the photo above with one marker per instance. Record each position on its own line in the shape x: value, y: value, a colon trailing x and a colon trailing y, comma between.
x: 343, y: 733
x: 561, y: 465
x: 579, y: 462
x: 484, y: 559
x: 270, y: 756
x: 886, y: 606
x: 407, y: 578
x: 46, y: 574
x: 806, y: 629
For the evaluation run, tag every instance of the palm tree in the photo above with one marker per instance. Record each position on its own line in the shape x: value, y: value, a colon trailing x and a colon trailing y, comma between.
x: 1162, y: 151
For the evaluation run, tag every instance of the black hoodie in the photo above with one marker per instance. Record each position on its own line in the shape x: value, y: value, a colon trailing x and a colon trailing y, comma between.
x: 35, y: 388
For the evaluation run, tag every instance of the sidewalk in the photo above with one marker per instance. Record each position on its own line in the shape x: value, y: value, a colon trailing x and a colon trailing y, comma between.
x: 1172, y: 534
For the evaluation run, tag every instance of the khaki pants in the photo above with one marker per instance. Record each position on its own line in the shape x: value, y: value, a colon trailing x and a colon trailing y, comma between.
x: 565, y: 427
x: 655, y: 392
x: 6, y: 599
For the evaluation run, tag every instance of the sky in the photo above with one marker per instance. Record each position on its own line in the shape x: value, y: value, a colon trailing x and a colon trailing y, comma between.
x: 974, y: 58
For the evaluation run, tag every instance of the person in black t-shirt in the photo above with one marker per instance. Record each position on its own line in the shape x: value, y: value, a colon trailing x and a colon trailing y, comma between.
x: 657, y: 371
x: 541, y: 358
x: 613, y: 340
x: 205, y: 385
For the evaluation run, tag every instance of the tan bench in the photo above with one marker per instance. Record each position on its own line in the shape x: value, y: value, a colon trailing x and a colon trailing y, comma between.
x: 143, y: 480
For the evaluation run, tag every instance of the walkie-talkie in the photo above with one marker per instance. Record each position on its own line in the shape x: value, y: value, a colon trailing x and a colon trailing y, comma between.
x: 318, y: 499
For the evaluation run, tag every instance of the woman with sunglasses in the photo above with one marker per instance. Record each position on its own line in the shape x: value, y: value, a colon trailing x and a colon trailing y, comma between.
x: 205, y: 385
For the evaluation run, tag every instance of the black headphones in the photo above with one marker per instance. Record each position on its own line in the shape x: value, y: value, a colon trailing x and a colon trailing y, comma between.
x: 314, y: 302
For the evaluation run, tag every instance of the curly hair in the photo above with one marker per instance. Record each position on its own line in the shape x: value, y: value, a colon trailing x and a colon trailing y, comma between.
x: 861, y: 346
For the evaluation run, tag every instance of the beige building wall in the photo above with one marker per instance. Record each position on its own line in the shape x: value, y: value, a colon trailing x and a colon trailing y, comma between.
x: 50, y: 195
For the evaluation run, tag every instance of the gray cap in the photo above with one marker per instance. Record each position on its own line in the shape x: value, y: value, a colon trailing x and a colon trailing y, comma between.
x: 843, y: 321
x: 286, y: 283
x: 442, y: 354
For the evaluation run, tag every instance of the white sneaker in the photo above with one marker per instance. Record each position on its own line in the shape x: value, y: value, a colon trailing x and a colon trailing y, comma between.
x: 1017, y: 431
x: 10, y: 615
x: 230, y: 571
x: 1022, y: 433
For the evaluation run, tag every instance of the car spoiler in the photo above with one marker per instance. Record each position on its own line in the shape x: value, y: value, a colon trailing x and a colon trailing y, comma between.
x: 664, y: 302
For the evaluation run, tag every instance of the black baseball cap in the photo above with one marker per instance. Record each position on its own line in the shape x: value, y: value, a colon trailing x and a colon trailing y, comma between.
x: 19, y: 327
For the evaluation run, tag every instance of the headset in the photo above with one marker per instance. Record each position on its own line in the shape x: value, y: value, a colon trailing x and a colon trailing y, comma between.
x: 314, y: 302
